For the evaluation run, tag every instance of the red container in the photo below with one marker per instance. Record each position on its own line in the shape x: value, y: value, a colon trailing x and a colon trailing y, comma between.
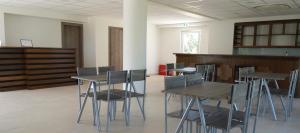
x: 162, y: 69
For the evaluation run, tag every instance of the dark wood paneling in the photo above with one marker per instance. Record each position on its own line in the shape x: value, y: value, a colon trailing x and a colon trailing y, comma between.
x: 28, y: 68
x: 226, y: 64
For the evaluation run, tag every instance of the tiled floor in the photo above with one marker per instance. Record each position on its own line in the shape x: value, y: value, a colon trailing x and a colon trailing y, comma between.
x: 54, y: 110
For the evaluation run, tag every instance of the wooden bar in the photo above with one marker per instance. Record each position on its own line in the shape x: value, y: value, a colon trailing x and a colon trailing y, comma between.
x: 33, y: 68
x: 226, y: 65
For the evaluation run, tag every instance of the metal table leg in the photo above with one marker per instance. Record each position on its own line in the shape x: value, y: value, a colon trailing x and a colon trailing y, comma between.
x: 96, y: 105
x: 201, y: 112
x: 269, y: 98
x: 84, y: 102
x: 166, y: 112
x: 185, y: 114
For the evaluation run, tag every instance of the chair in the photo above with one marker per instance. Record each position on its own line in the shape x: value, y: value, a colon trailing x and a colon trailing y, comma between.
x: 288, y: 93
x: 112, y: 95
x: 88, y: 71
x: 239, y: 111
x: 193, y: 115
x: 134, y: 77
x: 179, y: 65
x: 172, y: 82
x: 243, y: 73
x: 208, y: 71
x: 103, y: 70
x: 170, y: 68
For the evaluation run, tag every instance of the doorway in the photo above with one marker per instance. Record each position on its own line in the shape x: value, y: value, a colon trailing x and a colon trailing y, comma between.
x: 72, y: 37
x: 116, y: 47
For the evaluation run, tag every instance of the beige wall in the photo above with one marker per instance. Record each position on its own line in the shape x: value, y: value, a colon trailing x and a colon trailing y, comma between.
x: 2, y: 32
x: 43, y: 32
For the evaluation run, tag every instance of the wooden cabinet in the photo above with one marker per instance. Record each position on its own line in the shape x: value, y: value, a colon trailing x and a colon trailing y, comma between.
x: 267, y: 34
x: 33, y: 68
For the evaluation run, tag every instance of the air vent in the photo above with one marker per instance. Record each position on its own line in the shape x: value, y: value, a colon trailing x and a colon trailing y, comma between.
x: 273, y: 7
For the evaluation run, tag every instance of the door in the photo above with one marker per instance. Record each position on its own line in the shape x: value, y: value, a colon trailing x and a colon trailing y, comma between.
x: 116, y: 47
x: 72, y: 38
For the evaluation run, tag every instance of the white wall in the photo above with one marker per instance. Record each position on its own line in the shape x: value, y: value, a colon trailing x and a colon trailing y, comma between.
x: 2, y: 30
x: 43, y: 32
x: 170, y: 42
x: 153, y: 36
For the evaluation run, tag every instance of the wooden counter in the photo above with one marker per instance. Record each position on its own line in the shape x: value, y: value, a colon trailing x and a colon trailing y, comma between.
x: 227, y: 65
x: 33, y: 68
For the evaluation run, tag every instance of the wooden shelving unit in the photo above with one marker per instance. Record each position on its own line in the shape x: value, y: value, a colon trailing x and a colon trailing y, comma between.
x: 267, y: 34
x: 34, y: 68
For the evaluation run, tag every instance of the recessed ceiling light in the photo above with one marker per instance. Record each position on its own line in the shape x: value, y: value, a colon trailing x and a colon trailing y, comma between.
x: 273, y: 7
x: 193, y: 1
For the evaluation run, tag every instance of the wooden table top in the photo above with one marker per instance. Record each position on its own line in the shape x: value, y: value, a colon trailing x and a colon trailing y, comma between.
x: 269, y: 76
x: 206, y: 90
x: 94, y: 78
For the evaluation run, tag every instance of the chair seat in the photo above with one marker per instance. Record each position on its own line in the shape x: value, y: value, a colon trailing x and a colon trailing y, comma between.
x: 221, y: 122
x: 212, y: 110
x: 192, y: 115
x: 281, y: 92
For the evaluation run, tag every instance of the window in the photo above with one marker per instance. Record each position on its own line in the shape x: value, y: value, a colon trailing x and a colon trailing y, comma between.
x: 190, y: 41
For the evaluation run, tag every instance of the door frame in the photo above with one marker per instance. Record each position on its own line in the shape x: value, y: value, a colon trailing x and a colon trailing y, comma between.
x: 80, y: 48
x: 109, y: 43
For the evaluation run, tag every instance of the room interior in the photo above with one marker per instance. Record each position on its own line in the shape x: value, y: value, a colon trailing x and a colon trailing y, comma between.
x: 44, y: 43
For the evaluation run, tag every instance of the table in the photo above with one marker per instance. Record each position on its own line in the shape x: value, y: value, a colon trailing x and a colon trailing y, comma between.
x: 269, y: 76
x: 185, y: 70
x: 94, y: 80
x: 198, y: 93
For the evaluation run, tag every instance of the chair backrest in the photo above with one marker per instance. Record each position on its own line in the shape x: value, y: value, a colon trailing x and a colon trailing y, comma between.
x: 200, y: 68
x: 170, y: 66
x: 256, y: 86
x: 137, y: 75
x: 210, y: 72
x: 173, y: 82
x: 244, y: 71
x: 103, y: 70
x: 87, y: 71
x: 239, y: 93
x: 179, y: 65
x: 193, y: 79
x: 117, y: 77
x: 293, y: 82
x: 239, y: 96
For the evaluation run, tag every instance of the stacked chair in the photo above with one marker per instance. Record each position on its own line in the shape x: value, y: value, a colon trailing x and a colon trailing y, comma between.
x: 207, y: 70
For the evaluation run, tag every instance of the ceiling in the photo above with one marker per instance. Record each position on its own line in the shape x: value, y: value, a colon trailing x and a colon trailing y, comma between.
x: 228, y: 9
x: 157, y: 13
x: 167, y: 11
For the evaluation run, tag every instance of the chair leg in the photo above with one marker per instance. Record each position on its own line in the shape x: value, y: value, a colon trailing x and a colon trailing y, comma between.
x: 108, y: 116
x: 284, y: 108
x: 94, y: 113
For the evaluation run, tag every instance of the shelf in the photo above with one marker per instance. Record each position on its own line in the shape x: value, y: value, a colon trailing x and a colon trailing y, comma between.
x: 284, y: 34
x: 267, y: 34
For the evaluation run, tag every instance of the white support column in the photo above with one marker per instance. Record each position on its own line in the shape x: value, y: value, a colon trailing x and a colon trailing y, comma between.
x: 134, y: 34
x: 2, y: 28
